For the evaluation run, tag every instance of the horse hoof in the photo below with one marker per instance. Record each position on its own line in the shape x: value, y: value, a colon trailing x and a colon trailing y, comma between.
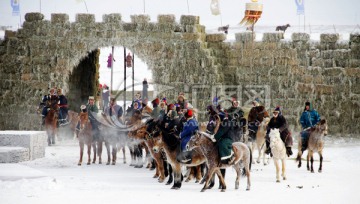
x: 277, y: 181
x: 197, y: 181
x: 258, y: 162
x: 79, y: 164
x: 223, y: 190
x: 284, y: 178
x: 155, y: 176
x: 161, y: 180
x: 107, y: 163
x: 203, y: 190
x: 88, y: 163
x: 168, y: 183
x: 320, y: 171
x: 124, y: 162
x: 113, y: 163
x: 312, y: 171
x: 100, y: 162
x: 248, y: 189
x: 187, y: 180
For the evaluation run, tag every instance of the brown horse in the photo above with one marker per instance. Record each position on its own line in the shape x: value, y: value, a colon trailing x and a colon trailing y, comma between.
x: 142, y: 134
x: 51, y: 120
x: 315, y: 144
x: 85, y: 136
x: 242, y: 153
x: 260, y: 141
x: 171, y: 146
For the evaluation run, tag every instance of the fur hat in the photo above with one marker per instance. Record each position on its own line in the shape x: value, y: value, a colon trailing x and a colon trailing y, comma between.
x: 52, y: 90
x: 171, y: 106
x: 189, y: 114
x: 307, y: 103
x: 83, y: 108
x: 91, y: 98
x: 181, y: 96
x: 277, y: 109
x: 156, y: 101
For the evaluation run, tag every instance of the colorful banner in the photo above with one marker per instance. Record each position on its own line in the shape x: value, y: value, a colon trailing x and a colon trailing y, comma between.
x: 300, y: 7
x: 15, y: 4
x: 215, y: 8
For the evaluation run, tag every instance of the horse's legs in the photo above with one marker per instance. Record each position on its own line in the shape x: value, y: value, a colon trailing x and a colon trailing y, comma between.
x: 177, y: 177
x: 307, y: 160
x: 123, y: 150
x: 89, y: 152
x: 238, y: 171
x: 221, y: 175
x: 312, y: 162
x: 114, y: 152
x: 283, y: 162
x: 223, y: 172
x: 159, y: 164
x: 276, y: 162
x: 209, y: 175
x: 94, y: 150
x: 107, y: 145
x: 171, y: 177
x: 198, y: 173
x: 298, y: 158
x: 81, y: 144
x: 321, y: 160
x: 99, y: 147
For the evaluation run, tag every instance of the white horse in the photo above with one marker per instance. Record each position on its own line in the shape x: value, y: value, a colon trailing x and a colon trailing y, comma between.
x: 279, y: 152
x: 260, y: 142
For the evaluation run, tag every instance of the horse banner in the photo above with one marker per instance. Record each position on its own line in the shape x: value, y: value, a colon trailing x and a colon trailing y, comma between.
x: 300, y: 7
x: 215, y: 8
x: 15, y: 5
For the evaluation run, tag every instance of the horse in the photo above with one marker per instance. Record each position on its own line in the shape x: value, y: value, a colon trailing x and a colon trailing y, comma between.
x: 260, y: 141
x: 224, y: 29
x: 85, y: 136
x: 51, y: 121
x: 282, y: 28
x: 242, y: 154
x: 161, y: 170
x: 170, y: 143
x: 315, y: 144
x: 279, y: 152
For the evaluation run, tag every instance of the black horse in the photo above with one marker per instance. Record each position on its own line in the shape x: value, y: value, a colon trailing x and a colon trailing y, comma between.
x: 282, y: 28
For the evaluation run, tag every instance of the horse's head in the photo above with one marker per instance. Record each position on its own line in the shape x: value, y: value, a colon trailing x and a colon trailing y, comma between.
x: 157, y: 141
x: 195, y: 141
x: 287, y: 25
x: 264, y: 123
x: 83, y: 119
x: 323, y: 127
x: 274, y: 135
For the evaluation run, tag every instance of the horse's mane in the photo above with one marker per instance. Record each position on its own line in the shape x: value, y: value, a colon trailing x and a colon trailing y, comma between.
x: 170, y: 139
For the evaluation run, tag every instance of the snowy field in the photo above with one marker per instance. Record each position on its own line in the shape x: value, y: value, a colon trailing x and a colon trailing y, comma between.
x: 57, y: 179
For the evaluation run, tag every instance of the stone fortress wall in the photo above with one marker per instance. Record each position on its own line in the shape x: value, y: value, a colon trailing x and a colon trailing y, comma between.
x: 183, y: 57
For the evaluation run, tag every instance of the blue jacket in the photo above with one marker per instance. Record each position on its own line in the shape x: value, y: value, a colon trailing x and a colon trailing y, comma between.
x: 309, y: 118
x: 189, y: 129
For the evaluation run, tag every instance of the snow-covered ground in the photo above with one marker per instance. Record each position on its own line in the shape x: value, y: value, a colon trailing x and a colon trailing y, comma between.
x: 57, y: 179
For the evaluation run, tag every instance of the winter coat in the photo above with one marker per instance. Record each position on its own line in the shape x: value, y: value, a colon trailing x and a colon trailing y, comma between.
x: 309, y: 118
x: 114, y: 110
x: 190, y: 127
x: 280, y: 123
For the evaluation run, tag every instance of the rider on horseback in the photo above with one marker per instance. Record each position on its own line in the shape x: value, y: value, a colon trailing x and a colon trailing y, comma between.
x: 279, y: 121
x: 238, y: 121
x: 63, y: 111
x: 190, y: 127
x: 114, y: 110
x: 309, y: 118
x: 90, y: 108
x: 46, y: 103
x: 256, y: 116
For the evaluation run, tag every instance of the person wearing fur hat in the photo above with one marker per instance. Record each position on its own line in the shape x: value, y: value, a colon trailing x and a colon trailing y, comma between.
x: 256, y: 116
x: 156, y: 110
x: 46, y: 103
x: 181, y: 100
x: 278, y: 121
x: 309, y: 118
x: 238, y: 122
x: 190, y: 127
x: 105, y: 96
x: 63, y: 108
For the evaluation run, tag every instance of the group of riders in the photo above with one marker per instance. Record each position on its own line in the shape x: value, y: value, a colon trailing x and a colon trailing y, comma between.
x: 224, y: 126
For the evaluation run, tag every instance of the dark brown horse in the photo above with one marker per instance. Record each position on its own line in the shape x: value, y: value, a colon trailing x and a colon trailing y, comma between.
x: 51, y: 120
x: 85, y: 136
x: 315, y: 144
x: 171, y: 146
x: 242, y: 153
x: 282, y: 28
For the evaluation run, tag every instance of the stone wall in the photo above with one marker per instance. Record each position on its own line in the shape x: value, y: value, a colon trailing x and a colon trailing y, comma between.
x: 183, y: 57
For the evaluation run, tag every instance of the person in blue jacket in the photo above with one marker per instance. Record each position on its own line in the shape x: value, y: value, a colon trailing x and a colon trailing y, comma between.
x: 190, y: 127
x: 309, y: 118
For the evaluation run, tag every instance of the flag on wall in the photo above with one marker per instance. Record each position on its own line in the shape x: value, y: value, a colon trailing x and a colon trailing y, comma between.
x: 300, y: 7
x: 215, y: 8
x: 15, y: 5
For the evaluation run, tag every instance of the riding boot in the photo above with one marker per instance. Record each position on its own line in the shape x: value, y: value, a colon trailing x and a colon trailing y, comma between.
x: 289, y: 151
x: 43, y: 121
x: 268, y: 150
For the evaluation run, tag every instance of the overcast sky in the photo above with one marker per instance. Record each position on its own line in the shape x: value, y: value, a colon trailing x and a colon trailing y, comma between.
x: 276, y: 12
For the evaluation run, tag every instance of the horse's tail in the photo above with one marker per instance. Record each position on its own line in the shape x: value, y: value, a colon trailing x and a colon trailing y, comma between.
x: 243, y: 174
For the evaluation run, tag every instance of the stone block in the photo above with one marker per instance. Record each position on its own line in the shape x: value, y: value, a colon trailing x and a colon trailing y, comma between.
x: 304, y: 88
x: 215, y: 37
x: 140, y: 19
x: 324, y: 89
x: 329, y: 38
x: 13, y: 154
x: 355, y: 38
x: 35, y: 141
x: 304, y: 37
x: 112, y: 18
x: 335, y: 71
x: 59, y: 18
x: 352, y: 72
x: 30, y: 17
x: 273, y: 37
x: 245, y: 37
x: 189, y: 20
x: 84, y: 18
x: 166, y: 19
